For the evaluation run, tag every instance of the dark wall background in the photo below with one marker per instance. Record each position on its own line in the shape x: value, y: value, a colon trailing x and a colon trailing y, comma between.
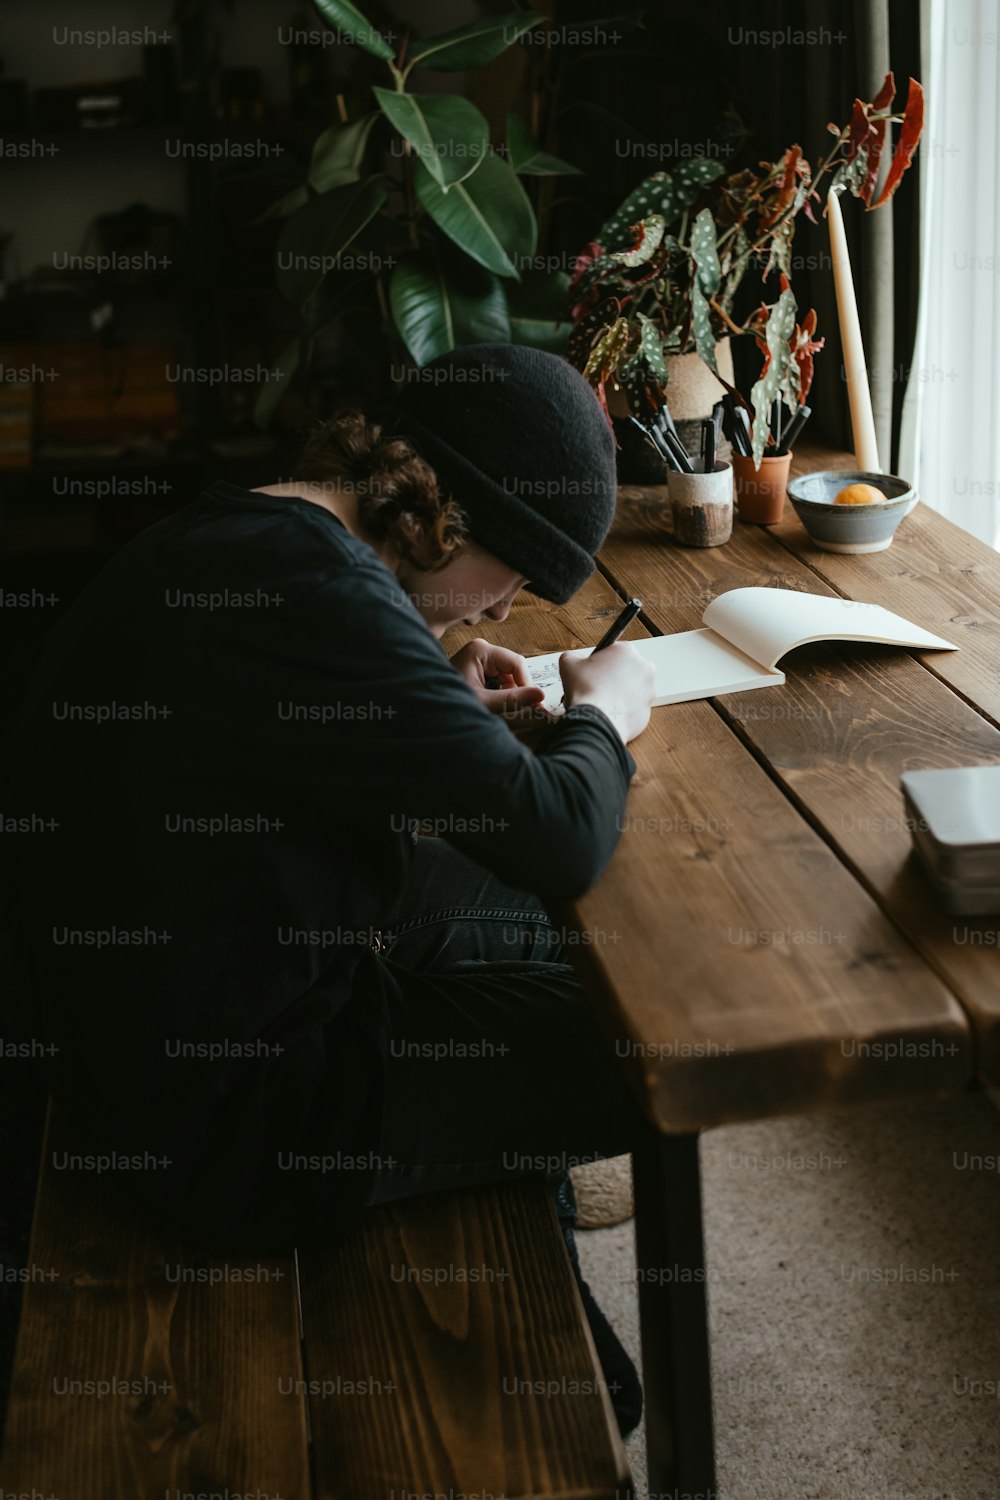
x: 620, y: 96
x: 745, y: 82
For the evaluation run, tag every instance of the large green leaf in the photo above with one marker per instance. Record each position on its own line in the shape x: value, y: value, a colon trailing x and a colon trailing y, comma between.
x: 278, y: 381
x: 314, y: 236
x: 449, y: 135
x: 336, y: 294
x: 437, y: 306
x: 285, y: 205
x: 526, y: 156
x: 338, y: 153
x: 470, y: 46
x: 489, y: 216
x: 348, y: 20
x: 537, y: 307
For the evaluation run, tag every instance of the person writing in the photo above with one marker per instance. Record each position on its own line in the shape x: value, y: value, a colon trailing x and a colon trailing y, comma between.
x: 255, y: 966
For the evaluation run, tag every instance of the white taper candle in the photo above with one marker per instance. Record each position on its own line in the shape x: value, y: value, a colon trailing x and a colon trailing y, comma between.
x: 855, y: 369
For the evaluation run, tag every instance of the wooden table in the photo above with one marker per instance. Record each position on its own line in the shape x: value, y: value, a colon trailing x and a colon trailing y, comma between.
x: 763, y: 942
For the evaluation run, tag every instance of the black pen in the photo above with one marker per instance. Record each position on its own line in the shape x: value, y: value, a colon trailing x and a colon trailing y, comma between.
x: 679, y: 451
x: 708, y: 446
x: 625, y: 619
x: 717, y: 416
x: 609, y: 637
x: 665, y: 422
x: 734, y: 428
x: 796, y: 425
x: 745, y: 425
x: 653, y: 435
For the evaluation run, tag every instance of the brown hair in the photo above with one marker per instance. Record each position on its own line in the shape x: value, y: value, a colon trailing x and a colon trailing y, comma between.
x: 399, y: 501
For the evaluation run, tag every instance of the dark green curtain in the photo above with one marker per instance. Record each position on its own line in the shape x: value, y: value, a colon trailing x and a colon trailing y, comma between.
x: 790, y: 93
x: 763, y: 76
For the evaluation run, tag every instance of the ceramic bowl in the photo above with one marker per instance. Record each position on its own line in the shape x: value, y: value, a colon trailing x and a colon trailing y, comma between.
x: 850, y: 528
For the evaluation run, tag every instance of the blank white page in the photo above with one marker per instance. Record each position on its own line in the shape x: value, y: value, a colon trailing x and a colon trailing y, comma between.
x: 765, y: 623
x: 689, y: 664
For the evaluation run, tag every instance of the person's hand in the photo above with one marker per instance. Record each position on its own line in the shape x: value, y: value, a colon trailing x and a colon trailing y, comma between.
x: 480, y: 662
x: 617, y: 680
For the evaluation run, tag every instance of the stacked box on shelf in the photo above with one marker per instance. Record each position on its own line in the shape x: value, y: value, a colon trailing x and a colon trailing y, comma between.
x: 17, y: 401
x: 97, y: 394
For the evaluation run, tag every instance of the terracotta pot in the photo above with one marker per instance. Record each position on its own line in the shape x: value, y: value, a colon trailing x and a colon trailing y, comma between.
x: 760, y: 493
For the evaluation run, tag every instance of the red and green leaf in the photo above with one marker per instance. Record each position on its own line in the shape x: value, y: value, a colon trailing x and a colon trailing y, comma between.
x: 804, y: 346
x: 586, y: 258
x: 882, y: 101
x: 646, y: 238
x: 607, y: 351
x: 588, y: 328
x: 860, y: 130
x: 786, y: 191
x: 909, y: 137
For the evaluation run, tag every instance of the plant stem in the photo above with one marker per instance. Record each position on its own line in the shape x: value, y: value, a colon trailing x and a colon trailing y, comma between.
x: 721, y: 312
x: 382, y: 299
x: 825, y: 166
x: 410, y: 198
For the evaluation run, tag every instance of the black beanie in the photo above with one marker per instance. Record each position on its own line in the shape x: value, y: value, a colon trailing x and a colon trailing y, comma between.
x: 519, y: 441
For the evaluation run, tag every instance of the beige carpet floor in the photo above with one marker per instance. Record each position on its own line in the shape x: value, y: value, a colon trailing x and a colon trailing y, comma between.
x: 853, y: 1267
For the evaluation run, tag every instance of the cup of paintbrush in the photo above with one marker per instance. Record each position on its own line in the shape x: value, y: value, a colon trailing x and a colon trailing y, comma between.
x: 701, y: 504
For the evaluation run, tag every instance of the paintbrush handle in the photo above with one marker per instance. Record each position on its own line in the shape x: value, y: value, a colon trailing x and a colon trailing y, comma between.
x: 796, y: 425
x: 680, y: 452
x: 653, y: 436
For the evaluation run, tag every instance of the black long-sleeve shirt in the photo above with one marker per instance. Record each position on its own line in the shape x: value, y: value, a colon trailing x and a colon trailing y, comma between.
x: 216, y: 774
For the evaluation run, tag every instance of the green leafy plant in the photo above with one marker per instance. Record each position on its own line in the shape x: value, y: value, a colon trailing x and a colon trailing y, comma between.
x: 411, y: 209
x: 663, y: 274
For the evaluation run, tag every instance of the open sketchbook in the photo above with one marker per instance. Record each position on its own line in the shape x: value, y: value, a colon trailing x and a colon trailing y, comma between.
x: 747, y: 632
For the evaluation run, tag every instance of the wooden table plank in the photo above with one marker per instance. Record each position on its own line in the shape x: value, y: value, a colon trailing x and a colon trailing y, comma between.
x: 448, y: 1353
x: 837, y: 736
x: 938, y: 574
x: 934, y: 572
x: 715, y: 955
x: 195, y: 1404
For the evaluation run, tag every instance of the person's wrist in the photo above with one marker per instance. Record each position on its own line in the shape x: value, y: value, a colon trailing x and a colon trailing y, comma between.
x: 616, y: 718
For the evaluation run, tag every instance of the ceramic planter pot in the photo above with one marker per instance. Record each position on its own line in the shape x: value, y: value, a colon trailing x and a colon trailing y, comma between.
x: 693, y: 389
x: 702, y: 506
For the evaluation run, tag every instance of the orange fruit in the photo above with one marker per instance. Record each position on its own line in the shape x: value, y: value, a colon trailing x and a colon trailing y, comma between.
x: 859, y: 494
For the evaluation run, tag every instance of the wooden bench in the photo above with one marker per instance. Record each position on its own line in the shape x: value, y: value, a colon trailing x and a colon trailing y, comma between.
x: 441, y: 1349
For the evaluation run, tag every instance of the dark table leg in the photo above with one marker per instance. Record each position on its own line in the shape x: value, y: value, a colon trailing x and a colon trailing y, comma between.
x: 674, y: 1317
